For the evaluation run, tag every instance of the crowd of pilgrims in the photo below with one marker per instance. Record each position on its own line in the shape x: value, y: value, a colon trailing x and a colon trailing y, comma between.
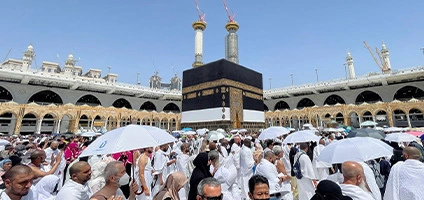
x: 233, y: 168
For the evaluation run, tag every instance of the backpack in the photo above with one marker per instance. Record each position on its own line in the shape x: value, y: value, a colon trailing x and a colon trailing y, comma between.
x: 379, y: 178
x: 296, y: 168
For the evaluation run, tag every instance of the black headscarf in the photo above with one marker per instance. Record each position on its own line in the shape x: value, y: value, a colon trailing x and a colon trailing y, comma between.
x: 200, y: 172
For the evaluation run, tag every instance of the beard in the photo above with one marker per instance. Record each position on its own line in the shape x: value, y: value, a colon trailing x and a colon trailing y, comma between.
x: 363, y: 186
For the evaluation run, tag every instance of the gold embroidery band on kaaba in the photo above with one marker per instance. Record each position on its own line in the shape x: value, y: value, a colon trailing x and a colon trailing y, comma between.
x: 220, y: 82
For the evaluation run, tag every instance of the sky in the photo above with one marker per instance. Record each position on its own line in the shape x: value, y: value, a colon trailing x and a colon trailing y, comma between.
x: 276, y: 37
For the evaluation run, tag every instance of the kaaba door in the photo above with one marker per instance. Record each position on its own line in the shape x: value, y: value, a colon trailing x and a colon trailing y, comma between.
x: 236, y: 107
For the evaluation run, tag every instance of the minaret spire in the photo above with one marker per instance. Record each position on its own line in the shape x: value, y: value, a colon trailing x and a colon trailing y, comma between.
x: 385, y: 59
x: 349, y: 62
x: 29, y: 55
x: 199, y: 26
x: 231, y: 40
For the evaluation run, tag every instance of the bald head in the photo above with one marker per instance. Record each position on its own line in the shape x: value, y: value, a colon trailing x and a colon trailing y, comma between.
x: 37, y: 153
x: 353, y: 173
x: 411, y: 153
x: 269, y: 155
x: 76, y: 168
x: 17, y: 170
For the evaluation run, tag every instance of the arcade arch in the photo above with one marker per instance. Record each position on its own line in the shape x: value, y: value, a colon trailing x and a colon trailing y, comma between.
x: 333, y: 100
x: 89, y: 100
x: 368, y: 97
x: 46, y: 97
x: 408, y: 92
x: 148, y: 106
x: 5, y: 95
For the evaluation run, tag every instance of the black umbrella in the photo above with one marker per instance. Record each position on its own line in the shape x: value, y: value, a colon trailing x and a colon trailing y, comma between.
x: 366, y: 132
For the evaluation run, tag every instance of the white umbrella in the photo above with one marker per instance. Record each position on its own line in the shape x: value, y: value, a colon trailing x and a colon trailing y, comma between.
x: 88, y: 134
x: 400, y: 137
x: 308, y: 125
x: 202, y: 131
x: 4, y: 142
x: 189, y: 133
x: 242, y: 130
x: 214, y: 135
x: 273, y: 132
x: 368, y: 123
x: 221, y: 130
x: 128, y: 138
x: 234, y: 131
x: 358, y: 149
x: 301, y: 136
x: 331, y: 130
x: 393, y: 129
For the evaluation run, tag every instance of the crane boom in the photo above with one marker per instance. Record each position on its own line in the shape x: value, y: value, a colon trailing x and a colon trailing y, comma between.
x: 373, y: 56
x: 199, y: 13
x: 230, y: 16
x: 7, y: 55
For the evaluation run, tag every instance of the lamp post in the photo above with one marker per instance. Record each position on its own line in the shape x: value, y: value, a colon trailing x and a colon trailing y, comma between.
x: 422, y: 49
x: 345, y: 66
x: 138, y: 73
x: 270, y: 83
x: 291, y: 78
x: 108, y: 71
x: 316, y: 72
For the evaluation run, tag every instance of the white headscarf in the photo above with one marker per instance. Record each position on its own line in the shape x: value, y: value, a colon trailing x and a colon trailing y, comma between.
x: 45, y: 187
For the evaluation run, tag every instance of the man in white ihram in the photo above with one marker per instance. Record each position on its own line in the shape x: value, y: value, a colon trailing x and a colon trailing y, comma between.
x: 246, y: 166
x: 406, y: 179
x: 305, y: 185
x: 267, y: 169
x: 354, y: 181
x: 321, y: 169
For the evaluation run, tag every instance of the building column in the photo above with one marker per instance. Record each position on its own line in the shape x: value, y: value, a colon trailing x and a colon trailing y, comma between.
x: 118, y: 123
x: 38, y: 126
x: 18, y: 125
x: 91, y: 124
x: 360, y: 120
x: 390, y: 118
x: 290, y: 123
x: 168, y: 126
x: 409, y: 120
x: 57, y: 127
x: 373, y: 118
x: 346, y: 120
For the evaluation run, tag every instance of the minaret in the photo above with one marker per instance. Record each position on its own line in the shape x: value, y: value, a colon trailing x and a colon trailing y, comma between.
x: 231, y: 40
x: 199, y: 26
x: 29, y: 55
x: 69, y: 64
x: 385, y: 59
x: 349, y: 62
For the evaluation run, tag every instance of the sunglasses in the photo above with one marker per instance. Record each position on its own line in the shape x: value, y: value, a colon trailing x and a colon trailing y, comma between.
x: 212, y: 198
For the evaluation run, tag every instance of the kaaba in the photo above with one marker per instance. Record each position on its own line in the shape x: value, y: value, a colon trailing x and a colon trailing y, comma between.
x: 222, y: 94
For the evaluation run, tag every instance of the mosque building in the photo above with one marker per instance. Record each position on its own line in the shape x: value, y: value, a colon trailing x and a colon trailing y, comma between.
x: 57, y: 99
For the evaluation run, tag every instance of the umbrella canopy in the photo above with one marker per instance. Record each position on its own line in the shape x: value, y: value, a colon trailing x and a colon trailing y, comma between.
x: 358, y: 149
x: 234, y: 131
x: 189, y: 133
x: 202, y: 131
x: 214, y: 135
x: 301, y: 136
x: 243, y: 130
x: 400, y: 137
x: 366, y: 132
x: 415, y: 133
x: 331, y: 130
x: 221, y: 130
x: 4, y: 142
x: 393, y: 129
x: 273, y: 132
x: 368, y: 123
x: 187, y: 129
x: 88, y: 134
x: 128, y: 138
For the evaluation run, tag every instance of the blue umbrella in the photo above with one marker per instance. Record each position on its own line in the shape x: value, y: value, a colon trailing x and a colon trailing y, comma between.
x: 187, y: 129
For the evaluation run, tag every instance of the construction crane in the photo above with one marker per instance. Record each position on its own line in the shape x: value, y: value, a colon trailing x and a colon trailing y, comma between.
x: 229, y: 14
x: 373, y: 56
x: 7, y: 55
x: 422, y: 49
x: 200, y: 13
